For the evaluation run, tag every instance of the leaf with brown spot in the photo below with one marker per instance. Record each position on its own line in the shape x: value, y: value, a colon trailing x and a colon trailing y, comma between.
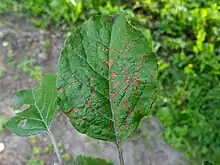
x: 114, y: 75
x: 113, y: 94
x: 110, y: 63
x: 104, y: 60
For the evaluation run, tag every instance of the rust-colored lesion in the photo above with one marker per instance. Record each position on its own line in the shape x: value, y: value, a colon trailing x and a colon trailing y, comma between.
x: 114, y: 75
x: 127, y: 81
x: 119, y: 55
x: 145, y: 57
x: 71, y: 111
x: 124, y: 122
x: 93, y: 91
x: 106, y: 50
x: 110, y: 63
x: 59, y: 89
x: 136, y: 81
x: 75, y: 82
x: 92, y: 79
x: 113, y: 95
x: 115, y: 84
x: 111, y: 126
x: 86, y: 105
x: 138, y: 114
x: 123, y: 71
x: 123, y: 104
x: 128, y: 112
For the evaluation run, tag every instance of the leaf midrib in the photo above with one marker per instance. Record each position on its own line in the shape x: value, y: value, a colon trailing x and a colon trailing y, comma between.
x: 39, y: 111
x: 109, y: 92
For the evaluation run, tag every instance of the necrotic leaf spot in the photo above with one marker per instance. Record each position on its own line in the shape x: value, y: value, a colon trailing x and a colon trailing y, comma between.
x: 93, y: 91
x: 114, y: 75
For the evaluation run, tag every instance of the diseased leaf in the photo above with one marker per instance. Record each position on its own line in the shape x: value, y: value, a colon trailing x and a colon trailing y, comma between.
x: 106, y: 78
x: 40, y: 106
x: 87, y: 160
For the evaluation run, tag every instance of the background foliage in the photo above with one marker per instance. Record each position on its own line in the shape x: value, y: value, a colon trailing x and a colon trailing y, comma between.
x: 186, y: 35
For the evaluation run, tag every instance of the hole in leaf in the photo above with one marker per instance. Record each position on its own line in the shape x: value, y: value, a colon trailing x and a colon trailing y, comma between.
x: 23, y: 123
x: 22, y: 108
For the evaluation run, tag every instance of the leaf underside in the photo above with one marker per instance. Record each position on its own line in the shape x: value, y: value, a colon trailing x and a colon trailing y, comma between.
x: 106, y: 78
x: 87, y: 160
x: 40, y: 106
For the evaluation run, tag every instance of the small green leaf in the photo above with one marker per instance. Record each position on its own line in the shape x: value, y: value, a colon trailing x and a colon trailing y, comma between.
x: 107, y: 78
x: 87, y: 160
x: 40, y: 106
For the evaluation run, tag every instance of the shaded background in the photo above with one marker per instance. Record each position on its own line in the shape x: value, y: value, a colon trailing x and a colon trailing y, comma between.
x: 185, y: 125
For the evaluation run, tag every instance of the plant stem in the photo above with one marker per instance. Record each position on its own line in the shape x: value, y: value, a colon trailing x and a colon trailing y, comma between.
x: 120, y: 152
x: 55, y: 147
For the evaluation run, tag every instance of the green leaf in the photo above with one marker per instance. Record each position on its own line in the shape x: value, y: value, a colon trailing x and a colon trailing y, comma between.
x: 40, y: 106
x: 214, y: 93
x: 106, y: 78
x: 87, y: 160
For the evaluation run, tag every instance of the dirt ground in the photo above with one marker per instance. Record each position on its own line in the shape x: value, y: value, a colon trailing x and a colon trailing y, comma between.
x: 19, y: 42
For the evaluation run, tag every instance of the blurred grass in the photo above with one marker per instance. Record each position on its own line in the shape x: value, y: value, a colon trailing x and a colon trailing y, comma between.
x: 186, y: 37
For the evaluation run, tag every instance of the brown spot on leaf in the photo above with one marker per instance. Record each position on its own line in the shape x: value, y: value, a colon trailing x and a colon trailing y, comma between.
x: 75, y: 82
x: 144, y: 57
x: 111, y: 62
x: 93, y: 91
x: 123, y: 104
x: 116, y: 84
x: 86, y: 105
x: 124, y: 122
x: 127, y: 82
x: 106, y: 62
x: 114, y: 75
x: 151, y: 75
x: 106, y: 50
x: 89, y: 99
x: 69, y: 113
x: 139, y: 115
x: 92, y: 79
x: 111, y: 126
x: 113, y: 94
x: 128, y: 112
x: 119, y: 54
x: 123, y: 71
x: 136, y: 81
x: 59, y: 89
